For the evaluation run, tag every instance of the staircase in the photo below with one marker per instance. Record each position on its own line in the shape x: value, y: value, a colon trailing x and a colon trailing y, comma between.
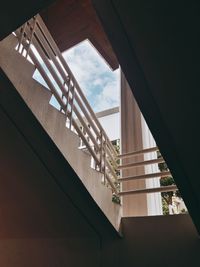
x: 37, y: 97
x: 31, y: 47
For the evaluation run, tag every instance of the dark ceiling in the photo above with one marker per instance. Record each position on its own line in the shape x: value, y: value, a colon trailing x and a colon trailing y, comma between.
x: 13, y: 15
x: 72, y: 21
x: 69, y: 21
x: 157, y: 45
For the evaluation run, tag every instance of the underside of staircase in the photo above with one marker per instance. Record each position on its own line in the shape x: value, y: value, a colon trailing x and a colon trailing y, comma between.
x: 37, y: 98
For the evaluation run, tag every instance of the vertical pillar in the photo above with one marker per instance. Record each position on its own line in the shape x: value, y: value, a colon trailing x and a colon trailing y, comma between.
x: 154, y: 200
x: 131, y: 139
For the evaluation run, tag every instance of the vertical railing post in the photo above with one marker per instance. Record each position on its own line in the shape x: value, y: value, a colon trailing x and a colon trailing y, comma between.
x: 32, y: 34
x: 101, y: 151
x: 37, y: 41
x: 67, y: 99
x: 105, y: 156
x: 72, y: 106
x: 22, y: 31
x: 62, y: 96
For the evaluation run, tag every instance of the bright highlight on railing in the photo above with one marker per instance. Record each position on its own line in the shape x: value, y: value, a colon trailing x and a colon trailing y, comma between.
x: 36, y: 44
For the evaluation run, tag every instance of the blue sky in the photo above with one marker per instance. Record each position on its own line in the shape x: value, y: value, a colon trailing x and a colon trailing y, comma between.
x: 99, y: 83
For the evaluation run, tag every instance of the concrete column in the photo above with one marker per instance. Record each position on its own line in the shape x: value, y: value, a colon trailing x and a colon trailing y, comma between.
x: 131, y: 139
x: 153, y: 200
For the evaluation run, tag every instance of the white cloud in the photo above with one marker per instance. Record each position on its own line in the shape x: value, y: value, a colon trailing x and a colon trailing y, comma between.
x: 99, y: 83
x: 109, y: 96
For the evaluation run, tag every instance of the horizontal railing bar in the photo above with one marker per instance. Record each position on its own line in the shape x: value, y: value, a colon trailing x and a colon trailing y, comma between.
x: 133, y: 153
x: 59, y: 70
x: 50, y: 53
x: 85, y: 141
x: 48, y: 64
x: 57, y: 96
x: 46, y: 78
x: 21, y: 30
x: 142, y: 163
x: 65, y: 65
x: 145, y: 176
x: 33, y: 25
x: 109, y: 144
x: 66, y: 79
x: 85, y: 126
x: 47, y: 35
x: 68, y: 70
x: 57, y: 79
x: 111, y: 183
x: 111, y: 169
x: 111, y: 157
x: 169, y: 188
x: 87, y: 116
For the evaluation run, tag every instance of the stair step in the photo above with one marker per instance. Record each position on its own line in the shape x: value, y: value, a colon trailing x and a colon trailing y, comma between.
x: 36, y: 96
x: 11, y: 41
x: 20, y: 72
x: 145, y: 176
x: 54, y: 123
x: 10, y: 58
x: 84, y: 149
x: 169, y: 188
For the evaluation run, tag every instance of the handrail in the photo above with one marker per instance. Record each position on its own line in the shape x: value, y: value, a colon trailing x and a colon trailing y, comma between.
x: 52, y: 42
x: 36, y: 40
x: 57, y: 51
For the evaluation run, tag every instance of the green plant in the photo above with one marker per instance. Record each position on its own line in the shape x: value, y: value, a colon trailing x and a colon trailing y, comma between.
x: 115, y: 198
x: 166, y: 181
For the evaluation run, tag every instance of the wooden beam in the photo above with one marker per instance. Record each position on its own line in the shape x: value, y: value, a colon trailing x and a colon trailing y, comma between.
x: 145, y: 176
x: 142, y: 163
x: 168, y: 188
x: 143, y: 151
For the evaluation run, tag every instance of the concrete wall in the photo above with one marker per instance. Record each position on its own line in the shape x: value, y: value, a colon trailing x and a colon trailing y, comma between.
x: 161, y: 241
x: 131, y: 140
x: 154, y: 200
x: 111, y: 123
x: 37, y: 98
x: 135, y: 135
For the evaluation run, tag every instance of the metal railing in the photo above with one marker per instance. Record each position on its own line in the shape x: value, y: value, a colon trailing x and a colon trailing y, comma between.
x: 36, y: 43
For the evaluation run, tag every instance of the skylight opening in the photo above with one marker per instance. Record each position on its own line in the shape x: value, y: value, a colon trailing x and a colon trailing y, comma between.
x: 99, y: 83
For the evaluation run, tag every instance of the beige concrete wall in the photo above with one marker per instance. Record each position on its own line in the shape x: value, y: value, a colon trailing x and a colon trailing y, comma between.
x: 131, y: 140
x: 154, y: 200
x: 37, y: 98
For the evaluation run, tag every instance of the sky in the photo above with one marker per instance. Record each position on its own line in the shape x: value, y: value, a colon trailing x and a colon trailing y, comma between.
x: 99, y: 83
